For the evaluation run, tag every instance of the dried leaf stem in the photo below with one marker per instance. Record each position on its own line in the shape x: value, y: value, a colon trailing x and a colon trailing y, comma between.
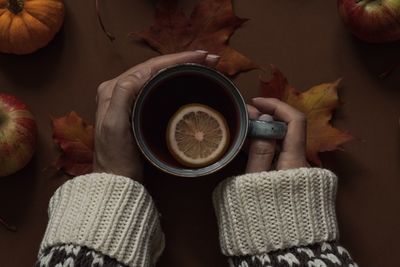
x: 9, y: 227
x: 389, y: 70
x: 109, y: 35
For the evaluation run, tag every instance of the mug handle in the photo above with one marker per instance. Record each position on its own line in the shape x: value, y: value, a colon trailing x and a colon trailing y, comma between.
x: 267, y: 129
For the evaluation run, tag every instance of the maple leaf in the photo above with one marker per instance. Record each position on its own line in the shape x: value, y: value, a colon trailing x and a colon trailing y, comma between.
x: 210, y: 26
x: 317, y: 104
x: 76, y: 140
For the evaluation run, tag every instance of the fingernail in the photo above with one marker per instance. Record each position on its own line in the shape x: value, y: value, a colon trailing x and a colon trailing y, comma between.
x: 266, y: 117
x: 213, y: 56
x: 256, y: 98
x: 201, y: 51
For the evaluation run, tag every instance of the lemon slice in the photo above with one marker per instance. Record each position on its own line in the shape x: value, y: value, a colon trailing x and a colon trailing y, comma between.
x: 197, y: 135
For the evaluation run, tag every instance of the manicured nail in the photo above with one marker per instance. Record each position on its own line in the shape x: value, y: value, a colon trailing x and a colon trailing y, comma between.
x: 201, y: 51
x: 266, y: 117
x: 213, y: 56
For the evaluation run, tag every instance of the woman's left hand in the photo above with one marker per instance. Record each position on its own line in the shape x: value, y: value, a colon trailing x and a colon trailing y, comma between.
x: 293, y: 153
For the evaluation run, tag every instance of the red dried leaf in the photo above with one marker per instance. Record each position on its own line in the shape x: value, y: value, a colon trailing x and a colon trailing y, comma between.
x: 76, y: 141
x: 317, y: 104
x: 209, y: 28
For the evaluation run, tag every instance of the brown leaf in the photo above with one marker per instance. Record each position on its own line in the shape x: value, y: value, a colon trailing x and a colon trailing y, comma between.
x: 317, y: 104
x: 210, y: 26
x: 76, y: 141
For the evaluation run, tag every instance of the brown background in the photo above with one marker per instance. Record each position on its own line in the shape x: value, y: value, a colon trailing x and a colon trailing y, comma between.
x: 305, y: 39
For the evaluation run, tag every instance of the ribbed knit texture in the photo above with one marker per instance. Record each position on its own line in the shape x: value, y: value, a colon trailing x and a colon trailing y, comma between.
x: 110, y: 214
x: 267, y: 211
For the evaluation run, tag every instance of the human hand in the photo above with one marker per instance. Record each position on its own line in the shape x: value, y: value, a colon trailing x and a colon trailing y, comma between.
x: 115, y: 147
x: 262, y: 152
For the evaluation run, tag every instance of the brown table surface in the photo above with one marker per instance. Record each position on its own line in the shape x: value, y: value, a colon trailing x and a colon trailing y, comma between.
x: 305, y: 39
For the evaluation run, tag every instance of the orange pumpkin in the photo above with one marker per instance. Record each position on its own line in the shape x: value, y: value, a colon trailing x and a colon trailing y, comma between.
x: 27, y: 25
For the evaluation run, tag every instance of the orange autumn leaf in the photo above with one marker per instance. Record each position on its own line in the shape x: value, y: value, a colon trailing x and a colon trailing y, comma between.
x: 209, y: 27
x: 318, y: 104
x: 76, y: 140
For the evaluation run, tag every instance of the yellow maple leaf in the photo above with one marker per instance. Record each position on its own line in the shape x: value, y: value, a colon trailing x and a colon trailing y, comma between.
x: 317, y: 104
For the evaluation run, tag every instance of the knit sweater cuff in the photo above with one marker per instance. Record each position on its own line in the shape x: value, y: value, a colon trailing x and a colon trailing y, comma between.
x: 111, y: 214
x: 261, y: 212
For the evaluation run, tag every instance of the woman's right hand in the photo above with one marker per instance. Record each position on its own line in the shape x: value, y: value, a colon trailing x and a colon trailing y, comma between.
x: 262, y: 152
x: 115, y: 147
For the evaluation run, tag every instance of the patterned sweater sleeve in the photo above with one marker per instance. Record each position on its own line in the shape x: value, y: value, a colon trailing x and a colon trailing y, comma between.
x: 280, y: 218
x: 101, y: 220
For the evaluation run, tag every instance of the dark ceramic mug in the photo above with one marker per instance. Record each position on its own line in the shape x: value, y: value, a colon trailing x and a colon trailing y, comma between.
x: 178, y: 85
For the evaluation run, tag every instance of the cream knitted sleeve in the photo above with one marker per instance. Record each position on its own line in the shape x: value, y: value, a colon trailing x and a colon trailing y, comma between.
x: 110, y: 214
x: 268, y: 211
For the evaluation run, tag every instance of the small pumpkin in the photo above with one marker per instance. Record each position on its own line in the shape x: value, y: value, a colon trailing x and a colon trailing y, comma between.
x: 28, y: 25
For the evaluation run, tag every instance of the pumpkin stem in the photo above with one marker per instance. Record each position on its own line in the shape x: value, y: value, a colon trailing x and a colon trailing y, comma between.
x: 109, y: 35
x: 16, y: 6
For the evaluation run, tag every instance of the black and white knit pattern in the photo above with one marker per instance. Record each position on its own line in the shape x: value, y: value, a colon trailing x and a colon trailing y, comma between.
x: 74, y: 256
x: 327, y: 254
x: 318, y: 255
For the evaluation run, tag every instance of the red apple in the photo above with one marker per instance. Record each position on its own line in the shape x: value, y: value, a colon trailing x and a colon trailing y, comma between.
x: 374, y: 21
x: 18, y: 133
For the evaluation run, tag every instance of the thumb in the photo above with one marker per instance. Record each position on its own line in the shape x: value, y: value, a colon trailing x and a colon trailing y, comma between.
x: 261, y: 152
